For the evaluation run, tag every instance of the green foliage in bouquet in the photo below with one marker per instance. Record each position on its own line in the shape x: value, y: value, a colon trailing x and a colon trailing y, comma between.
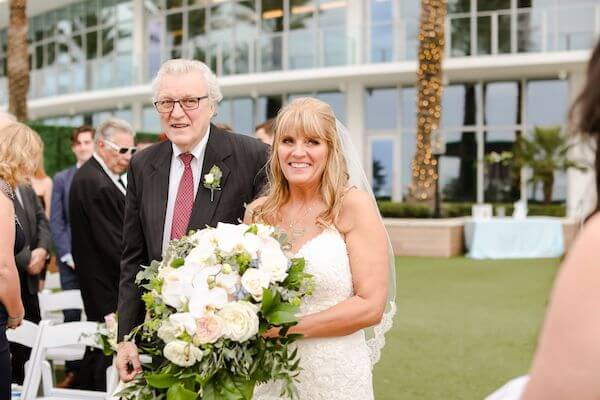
x: 209, y: 302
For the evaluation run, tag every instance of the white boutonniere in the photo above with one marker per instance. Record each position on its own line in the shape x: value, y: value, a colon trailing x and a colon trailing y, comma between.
x: 212, y: 180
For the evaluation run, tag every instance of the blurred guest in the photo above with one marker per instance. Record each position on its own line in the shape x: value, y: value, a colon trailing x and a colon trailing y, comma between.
x: 566, y: 362
x: 264, y: 132
x: 96, y: 209
x: 20, y: 147
x: 82, y: 145
x: 42, y: 184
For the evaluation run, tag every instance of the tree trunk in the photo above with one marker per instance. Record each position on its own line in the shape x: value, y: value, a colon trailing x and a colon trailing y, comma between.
x: 18, y: 60
x: 547, y: 187
x: 429, y: 88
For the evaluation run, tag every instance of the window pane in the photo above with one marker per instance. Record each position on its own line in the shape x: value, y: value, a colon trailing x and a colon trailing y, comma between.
x: 576, y: 27
x: 458, y: 105
x: 332, y: 13
x: 272, y: 16
x: 409, y: 108
x: 154, y: 28
x: 484, y: 35
x: 337, y: 101
x: 150, y: 120
x: 174, y: 29
x: 458, y: 170
x: 108, y: 41
x: 491, y: 5
x: 382, y: 43
x: 107, y: 12
x: 382, y: 158
x: 529, y: 31
x: 547, y: 102
x: 224, y: 114
x: 243, y: 116
x: 91, y: 45
x: 268, y: 107
x: 460, y: 36
x: 500, y: 182
x: 458, y: 6
x: 382, y: 108
x: 501, y: 103
x: 301, y: 48
x: 409, y: 145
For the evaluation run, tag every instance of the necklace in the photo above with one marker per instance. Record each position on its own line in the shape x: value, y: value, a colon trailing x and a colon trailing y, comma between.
x: 294, y: 231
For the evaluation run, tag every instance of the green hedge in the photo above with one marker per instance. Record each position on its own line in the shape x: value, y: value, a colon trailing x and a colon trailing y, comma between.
x: 57, y: 146
x: 451, y: 210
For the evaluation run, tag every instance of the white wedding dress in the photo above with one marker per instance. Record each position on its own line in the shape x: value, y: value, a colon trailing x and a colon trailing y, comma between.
x: 337, y: 368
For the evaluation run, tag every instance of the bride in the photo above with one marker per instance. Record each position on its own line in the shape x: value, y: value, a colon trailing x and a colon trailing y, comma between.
x: 335, y: 226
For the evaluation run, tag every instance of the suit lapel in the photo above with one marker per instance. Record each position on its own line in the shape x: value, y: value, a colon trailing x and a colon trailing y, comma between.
x: 217, y: 151
x: 159, y: 194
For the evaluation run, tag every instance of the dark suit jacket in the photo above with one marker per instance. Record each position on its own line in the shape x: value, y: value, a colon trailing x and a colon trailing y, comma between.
x: 96, y: 208
x: 242, y: 160
x: 59, y: 212
x: 35, y: 225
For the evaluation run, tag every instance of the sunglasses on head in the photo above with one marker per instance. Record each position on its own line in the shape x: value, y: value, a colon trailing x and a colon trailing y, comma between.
x: 119, y: 149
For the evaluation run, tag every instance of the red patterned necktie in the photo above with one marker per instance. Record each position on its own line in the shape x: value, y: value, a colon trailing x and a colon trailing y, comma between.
x: 184, y: 200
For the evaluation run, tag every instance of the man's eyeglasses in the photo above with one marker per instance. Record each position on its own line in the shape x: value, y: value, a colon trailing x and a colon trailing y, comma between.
x: 189, y: 103
x: 119, y: 149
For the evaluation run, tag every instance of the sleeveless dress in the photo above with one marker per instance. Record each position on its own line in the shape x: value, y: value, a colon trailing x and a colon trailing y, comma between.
x: 5, y: 375
x: 337, y: 368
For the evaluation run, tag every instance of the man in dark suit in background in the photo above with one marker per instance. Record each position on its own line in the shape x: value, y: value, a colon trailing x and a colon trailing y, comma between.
x: 82, y: 145
x: 30, y: 262
x: 166, y: 196
x: 96, y: 208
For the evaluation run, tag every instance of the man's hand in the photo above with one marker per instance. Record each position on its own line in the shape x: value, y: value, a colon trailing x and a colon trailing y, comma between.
x: 128, y: 361
x: 37, y: 262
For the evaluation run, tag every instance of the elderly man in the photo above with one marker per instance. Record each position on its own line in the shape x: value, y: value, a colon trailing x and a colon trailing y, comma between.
x: 166, y: 197
x: 96, y: 210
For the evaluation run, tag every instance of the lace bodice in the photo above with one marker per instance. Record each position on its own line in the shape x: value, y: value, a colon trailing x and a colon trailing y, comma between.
x: 332, y: 368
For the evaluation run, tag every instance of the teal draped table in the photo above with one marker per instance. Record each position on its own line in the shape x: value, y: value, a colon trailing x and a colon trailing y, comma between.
x: 531, y: 237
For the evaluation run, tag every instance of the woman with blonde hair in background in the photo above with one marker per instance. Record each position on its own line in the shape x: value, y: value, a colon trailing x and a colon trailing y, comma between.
x: 20, y: 148
x: 337, y: 228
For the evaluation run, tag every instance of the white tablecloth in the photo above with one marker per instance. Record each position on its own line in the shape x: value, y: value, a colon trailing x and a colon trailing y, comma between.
x: 532, y: 237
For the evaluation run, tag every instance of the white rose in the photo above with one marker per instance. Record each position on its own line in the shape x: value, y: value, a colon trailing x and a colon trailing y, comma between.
x: 229, y: 282
x: 240, y: 320
x: 184, y: 322
x: 182, y: 353
x: 264, y: 231
x: 169, y: 332
x: 251, y: 243
x: 254, y: 281
x: 209, y: 178
x: 273, y: 262
x: 209, y: 329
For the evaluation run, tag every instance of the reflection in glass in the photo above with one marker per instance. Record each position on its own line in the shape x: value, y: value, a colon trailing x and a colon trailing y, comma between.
x: 174, y: 30
x: 196, y: 33
x: 150, y: 120
x: 501, y: 181
x: 458, y: 167
x: 108, y: 41
x: 559, y: 189
x: 409, y: 145
x: 458, y: 6
x: 492, y: 5
x: 382, y: 43
x: 460, y: 36
x: 576, y: 27
x: 332, y: 13
x: 504, y: 24
x: 154, y: 30
x: 501, y: 103
x: 382, y: 167
x: 125, y: 42
x: 268, y: 107
x: 224, y: 112
x: 107, y: 12
x: 382, y: 108
x: 270, y: 49
x: 529, y: 32
x: 484, y: 35
x: 91, y: 41
x: 547, y: 102
x: 334, y: 46
x: 458, y: 105
x: 409, y: 107
x: 272, y: 16
x: 301, y: 49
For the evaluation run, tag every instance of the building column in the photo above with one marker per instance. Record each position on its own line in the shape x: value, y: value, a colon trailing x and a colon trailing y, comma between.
x: 581, y: 186
x: 138, y: 52
x: 356, y: 30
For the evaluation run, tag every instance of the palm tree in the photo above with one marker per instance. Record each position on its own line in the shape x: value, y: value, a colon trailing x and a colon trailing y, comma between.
x: 545, y: 153
x: 429, y: 108
x: 18, y: 60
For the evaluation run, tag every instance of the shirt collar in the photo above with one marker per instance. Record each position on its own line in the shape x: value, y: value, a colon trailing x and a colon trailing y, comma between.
x: 112, y: 175
x: 198, y: 150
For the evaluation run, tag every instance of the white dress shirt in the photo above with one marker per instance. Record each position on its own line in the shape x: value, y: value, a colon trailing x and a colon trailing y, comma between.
x: 113, y: 177
x: 175, y: 175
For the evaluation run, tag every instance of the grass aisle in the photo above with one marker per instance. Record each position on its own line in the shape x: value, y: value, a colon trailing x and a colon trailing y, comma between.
x: 463, y: 327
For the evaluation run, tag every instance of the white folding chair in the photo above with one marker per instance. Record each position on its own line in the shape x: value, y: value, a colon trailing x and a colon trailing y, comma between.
x: 52, y: 304
x: 61, y: 335
x: 28, y: 334
x: 52, y: 281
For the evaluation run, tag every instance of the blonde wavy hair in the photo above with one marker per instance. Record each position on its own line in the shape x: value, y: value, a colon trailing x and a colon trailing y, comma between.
x: 309, y: 117
x: 20, y: 152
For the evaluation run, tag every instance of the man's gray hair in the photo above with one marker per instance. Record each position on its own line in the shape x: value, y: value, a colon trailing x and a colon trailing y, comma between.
x: 183, y: 66
x: 108, y: 128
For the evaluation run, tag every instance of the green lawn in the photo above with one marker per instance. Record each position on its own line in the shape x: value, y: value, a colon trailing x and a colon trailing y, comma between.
x: 463, y: 327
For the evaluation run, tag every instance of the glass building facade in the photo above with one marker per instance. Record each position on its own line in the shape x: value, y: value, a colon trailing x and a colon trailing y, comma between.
x: 98, y: 45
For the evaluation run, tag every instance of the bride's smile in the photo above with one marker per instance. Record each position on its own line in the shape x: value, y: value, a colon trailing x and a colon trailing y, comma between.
x: 302, y: 158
